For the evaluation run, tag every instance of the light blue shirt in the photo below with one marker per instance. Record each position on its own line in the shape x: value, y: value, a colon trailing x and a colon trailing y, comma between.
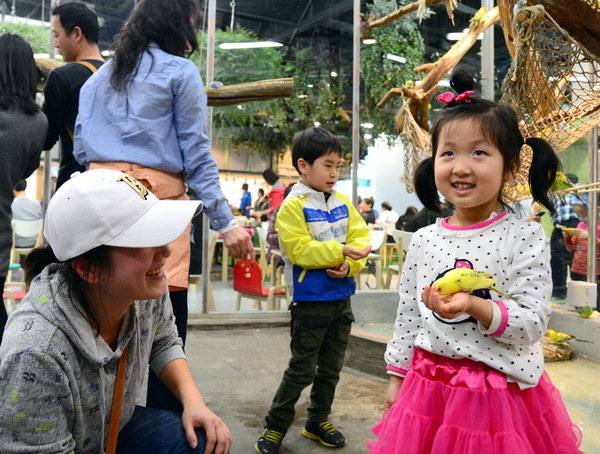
x: 159, y: 121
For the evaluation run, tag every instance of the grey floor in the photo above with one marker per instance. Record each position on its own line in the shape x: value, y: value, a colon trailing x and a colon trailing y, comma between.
x: 238, y: 370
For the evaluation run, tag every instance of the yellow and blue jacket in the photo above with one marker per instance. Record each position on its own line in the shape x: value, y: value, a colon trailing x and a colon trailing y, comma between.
x: 312, y: 231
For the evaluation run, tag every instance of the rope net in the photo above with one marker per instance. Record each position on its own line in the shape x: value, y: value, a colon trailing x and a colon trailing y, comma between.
x: 416, y: 142
x: 552, y: 82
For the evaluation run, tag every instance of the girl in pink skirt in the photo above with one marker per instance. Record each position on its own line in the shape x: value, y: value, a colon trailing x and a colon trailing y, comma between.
x: 465, y: 363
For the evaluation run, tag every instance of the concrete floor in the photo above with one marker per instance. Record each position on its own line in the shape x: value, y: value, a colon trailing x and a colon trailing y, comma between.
x: 238, y: 364
x: 238, y: 371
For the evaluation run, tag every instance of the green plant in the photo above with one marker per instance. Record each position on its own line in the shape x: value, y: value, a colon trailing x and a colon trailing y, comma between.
x: 255, y: 126
x: 37, y: 36
x: 380, y: 74
x: 318, y: 95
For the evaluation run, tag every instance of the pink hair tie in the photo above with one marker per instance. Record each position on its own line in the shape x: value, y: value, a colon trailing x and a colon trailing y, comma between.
x: 448, y: 97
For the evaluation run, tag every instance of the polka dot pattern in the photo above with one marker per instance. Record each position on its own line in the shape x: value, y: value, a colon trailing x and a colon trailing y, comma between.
x: 514, y: 252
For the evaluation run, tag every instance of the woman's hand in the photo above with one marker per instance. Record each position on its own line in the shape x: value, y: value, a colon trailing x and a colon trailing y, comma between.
x: 239, y: 243
x: 392, y: 392
x: 218, y: 436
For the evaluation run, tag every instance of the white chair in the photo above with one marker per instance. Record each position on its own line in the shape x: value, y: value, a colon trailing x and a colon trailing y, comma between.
x: 402, y: 238
x: 388, y: 249
x: 26, y: 229
x: 377, y: 238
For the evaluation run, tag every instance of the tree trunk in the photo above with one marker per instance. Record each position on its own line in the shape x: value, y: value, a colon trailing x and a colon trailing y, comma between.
x: 224, y: 96
x: 421, y: 95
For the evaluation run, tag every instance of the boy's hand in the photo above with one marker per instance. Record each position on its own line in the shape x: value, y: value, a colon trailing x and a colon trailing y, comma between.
x: 354, y: 253
x: 339, y: 272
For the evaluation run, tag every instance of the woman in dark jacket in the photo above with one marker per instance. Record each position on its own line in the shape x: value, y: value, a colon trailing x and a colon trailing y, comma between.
x: 22, y: 133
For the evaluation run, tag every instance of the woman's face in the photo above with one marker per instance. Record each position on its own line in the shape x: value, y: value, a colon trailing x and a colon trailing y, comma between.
x: 135, y: 273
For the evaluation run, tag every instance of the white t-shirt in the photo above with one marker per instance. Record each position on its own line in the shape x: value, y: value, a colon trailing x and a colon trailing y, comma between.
x: 514, y: 252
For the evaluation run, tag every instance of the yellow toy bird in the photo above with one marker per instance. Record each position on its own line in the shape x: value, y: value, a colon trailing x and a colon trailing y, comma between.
x: 466, y: 280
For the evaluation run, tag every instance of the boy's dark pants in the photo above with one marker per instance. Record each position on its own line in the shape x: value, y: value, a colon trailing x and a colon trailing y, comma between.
x: 320, y: 333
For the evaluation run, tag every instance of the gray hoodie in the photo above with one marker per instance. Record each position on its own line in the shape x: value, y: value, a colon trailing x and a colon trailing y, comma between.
x: 57, y: 376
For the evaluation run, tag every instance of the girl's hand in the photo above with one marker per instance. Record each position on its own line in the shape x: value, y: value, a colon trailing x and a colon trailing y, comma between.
x: 446, y: 306
x: 218, y: 436
x: 392, y: 392
x: 354, y: 253
x: 340, y: 272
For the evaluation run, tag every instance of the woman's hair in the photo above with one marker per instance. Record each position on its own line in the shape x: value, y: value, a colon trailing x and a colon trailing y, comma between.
x: 386, y: 206
x: 18, y: 74
x: 40, y: 257
x: 500, y: 125
x: 170, y: 24
x: 411, y: 210
x: 270, y: 176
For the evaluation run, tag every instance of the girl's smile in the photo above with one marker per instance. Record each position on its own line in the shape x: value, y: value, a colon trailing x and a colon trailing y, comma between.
x: 469, y: 171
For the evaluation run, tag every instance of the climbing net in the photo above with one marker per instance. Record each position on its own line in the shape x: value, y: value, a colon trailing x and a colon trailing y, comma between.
x: 553, y: 81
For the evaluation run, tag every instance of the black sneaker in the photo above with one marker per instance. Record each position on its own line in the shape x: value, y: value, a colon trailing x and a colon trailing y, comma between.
x: 325, y: 433
x: 270, y: 442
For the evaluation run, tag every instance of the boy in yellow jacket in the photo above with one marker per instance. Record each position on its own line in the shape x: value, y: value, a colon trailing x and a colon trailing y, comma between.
x: 324, y: 243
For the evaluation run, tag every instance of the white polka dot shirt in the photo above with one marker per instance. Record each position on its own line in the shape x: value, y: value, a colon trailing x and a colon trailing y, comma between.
x: 513, y: 251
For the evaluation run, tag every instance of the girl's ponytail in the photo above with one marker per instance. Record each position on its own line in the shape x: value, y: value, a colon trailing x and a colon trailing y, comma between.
x: 36, y: 261
x: 542, y: 173
x: 424, y: 181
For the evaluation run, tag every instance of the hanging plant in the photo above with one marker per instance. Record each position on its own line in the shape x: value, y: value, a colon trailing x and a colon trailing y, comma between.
x: 318, y: 94
x: 399, y: 38
x: 254, y: 126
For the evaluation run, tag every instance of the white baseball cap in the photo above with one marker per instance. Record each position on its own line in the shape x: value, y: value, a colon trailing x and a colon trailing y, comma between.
x: 107, y: 207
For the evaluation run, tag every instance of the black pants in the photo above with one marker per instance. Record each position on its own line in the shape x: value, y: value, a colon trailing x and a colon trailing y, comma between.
x: 158, y: 395
x: 560, y: 260
x: 320, y: 333
x: 3, y: 314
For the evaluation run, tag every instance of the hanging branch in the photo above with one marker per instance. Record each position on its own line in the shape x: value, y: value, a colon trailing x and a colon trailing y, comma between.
x: 435, y: 72
x: 224, y: 96
x: 250, y: 91
x: 406, y: 9
x: 507, y: 30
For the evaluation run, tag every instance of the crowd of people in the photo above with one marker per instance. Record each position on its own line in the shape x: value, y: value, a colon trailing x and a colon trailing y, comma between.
x: 107, y: 295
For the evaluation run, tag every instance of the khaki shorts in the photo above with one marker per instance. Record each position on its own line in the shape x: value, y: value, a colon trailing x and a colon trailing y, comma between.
x: 165, y: 186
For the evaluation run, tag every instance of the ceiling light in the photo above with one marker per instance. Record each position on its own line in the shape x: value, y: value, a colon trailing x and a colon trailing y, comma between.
x: 333, y: 74
x: 317, y: 124
x: 396, y: 58
x: 455, y: 36
x: 367, y: 125
x: 369, y: 41
x: 250, y: 45
x: 310, y: 85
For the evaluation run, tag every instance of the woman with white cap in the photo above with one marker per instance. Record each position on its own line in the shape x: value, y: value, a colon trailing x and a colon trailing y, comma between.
x: 96, y: 314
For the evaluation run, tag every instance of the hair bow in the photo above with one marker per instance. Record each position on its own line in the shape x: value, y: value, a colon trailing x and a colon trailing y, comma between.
x: 448, y: 97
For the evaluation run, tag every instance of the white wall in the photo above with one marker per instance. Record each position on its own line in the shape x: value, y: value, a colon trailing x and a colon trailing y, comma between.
x: 382, y: 168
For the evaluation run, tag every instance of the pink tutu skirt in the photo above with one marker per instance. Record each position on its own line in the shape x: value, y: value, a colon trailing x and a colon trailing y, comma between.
x: 449, y: 406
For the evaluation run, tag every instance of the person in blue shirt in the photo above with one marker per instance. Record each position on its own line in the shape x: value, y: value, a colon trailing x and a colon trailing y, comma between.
x: 246, y: 201
x: 144, y: 113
